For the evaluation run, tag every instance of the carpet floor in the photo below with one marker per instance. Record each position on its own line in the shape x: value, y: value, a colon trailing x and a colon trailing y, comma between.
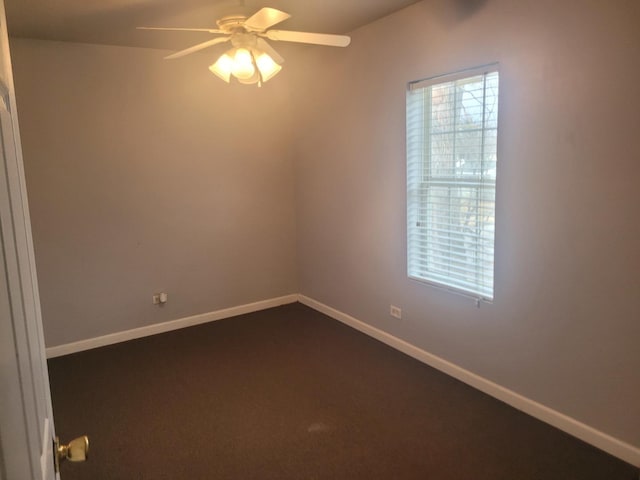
x: 288, y: 393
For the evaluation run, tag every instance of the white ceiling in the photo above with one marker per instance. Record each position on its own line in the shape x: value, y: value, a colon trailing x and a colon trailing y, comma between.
x: 113, y: 22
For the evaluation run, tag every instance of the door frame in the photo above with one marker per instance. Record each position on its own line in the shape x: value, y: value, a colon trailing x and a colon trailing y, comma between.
x: 26, y: 420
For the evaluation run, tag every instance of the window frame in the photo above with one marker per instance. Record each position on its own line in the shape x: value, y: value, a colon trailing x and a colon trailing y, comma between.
x: 415, y: 204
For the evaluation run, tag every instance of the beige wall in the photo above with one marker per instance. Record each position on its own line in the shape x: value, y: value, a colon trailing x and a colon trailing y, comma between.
x: 146, y: 176
x: 564, y: 328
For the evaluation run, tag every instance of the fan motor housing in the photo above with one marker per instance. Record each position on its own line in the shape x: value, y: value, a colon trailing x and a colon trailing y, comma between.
x: 231, y: 23
x: 243, y: 40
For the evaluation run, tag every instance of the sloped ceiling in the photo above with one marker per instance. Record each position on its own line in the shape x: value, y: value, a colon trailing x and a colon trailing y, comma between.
x: 113, y: 22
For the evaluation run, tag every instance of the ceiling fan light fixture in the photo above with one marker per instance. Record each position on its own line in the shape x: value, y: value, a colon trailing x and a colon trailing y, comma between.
x: 223, y: 67
x: 267, y: 66
x: 248, y: 66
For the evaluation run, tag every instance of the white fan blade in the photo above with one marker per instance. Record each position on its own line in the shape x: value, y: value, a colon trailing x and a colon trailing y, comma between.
x: 307, y: 37
x: 264, y: 18
x: 195, y: 48
x: 269, y: 50
x: 209, y: 30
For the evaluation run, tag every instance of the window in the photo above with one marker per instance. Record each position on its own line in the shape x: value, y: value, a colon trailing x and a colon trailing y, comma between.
x: 452, y: 128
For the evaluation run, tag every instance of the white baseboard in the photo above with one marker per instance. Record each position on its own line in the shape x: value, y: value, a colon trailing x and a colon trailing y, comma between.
x: 601, y: 440
x: 156, y: 328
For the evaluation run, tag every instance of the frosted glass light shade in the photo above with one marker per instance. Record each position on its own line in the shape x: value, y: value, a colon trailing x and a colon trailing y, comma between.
x: 243, y: 68
x: 223, y: 67
x: 255, y: 78
x: 267, y: 66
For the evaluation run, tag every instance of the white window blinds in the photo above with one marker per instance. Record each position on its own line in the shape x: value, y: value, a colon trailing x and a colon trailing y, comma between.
x: 452, y: 126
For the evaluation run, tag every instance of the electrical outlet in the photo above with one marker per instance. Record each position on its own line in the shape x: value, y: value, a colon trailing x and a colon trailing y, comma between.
x: 395, y: 311
x: 160, y: 298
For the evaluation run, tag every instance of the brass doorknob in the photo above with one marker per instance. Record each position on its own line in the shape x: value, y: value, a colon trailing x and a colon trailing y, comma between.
x: 76, y: 451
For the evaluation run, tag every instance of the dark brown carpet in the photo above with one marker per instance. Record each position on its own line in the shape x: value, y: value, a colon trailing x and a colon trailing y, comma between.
x: 289, y: 393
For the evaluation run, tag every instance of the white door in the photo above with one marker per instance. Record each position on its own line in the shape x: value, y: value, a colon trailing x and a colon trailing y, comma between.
x: 26, y: 423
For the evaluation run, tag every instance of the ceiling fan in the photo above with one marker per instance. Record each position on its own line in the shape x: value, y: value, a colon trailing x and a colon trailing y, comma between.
x: 252, y: 60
